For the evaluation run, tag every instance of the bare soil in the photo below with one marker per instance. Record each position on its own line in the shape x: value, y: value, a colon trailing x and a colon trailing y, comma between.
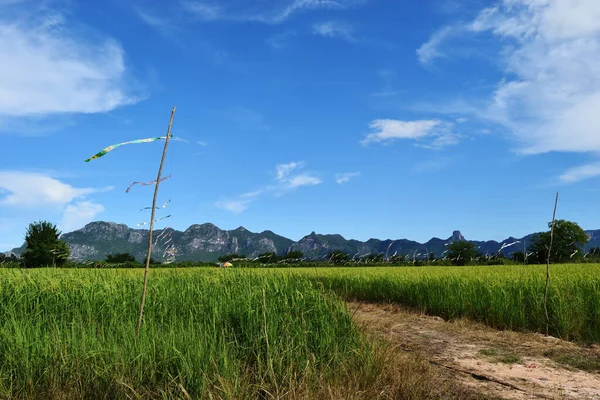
x: 496, y: 364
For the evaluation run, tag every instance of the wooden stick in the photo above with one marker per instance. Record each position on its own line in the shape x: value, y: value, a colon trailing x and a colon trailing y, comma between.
x: 149, y: 255
x: 548, y: 266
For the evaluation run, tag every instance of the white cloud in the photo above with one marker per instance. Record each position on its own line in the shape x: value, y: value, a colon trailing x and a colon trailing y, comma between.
x: 26, y: 189
x: 345, y: 177
x: 78, y: 215
x: 234, y: 206
x: 280, y: 40
x: 283, y: 170
x: 302, y: 180
x: 288, y: 181
x: 152, y: 20
x: 201, y: 143
x: 179, y: 139
x: 551, y: 96
x: 240, y: 203
x: 388, y: 130
x: 429, y: 50
x: 580, y: 173
x: 206, y: 12
x: 285, y: 182
x: 441, y: 141
x: 274, y: 13
x: 334, y: 29
x: 47, y: 68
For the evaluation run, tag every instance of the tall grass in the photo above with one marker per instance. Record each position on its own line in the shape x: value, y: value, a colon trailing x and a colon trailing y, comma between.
x: 225, y: 334
x: 505, y: 297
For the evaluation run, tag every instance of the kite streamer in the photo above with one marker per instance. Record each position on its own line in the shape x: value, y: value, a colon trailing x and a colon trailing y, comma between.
x: 158, y: 208
x: 156, y: 220
x: 114, y: 146
x: 165, y: 231
x: 146, y: 183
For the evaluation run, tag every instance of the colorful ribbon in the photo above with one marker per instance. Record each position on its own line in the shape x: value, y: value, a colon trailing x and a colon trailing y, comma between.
x: 158, y: 208
x: 146, y: 183
x: 114, y: 146
x: 156, y: 220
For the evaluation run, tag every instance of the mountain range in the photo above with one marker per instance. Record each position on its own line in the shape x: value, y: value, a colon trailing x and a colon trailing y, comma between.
x: 206, y: 242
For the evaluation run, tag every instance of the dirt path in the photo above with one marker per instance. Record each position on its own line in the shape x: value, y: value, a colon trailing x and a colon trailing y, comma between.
x: 498, y: 364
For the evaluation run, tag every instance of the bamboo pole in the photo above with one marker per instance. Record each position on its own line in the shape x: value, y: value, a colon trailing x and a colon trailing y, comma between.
x: 548, y: 266
x: 149, y: 255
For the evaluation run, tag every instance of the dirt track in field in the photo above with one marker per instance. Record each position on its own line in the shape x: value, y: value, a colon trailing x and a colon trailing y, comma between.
x: 497, y: 364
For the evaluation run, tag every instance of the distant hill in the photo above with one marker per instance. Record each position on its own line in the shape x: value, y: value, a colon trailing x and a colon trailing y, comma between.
x: 206, y: 242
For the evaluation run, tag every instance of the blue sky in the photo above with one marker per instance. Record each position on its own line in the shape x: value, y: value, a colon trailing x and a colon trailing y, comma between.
x: 367, y: 118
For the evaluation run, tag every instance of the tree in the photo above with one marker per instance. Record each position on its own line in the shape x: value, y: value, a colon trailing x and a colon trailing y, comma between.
x: 461, y: 252
x: 518, y: 256
x: 120, y: 258
x: 43, y: 246
x: 567, y: 242
x: 296, y: 254
x: 338, y: 257
x: 230, y: 257
x: 268, y: 257
x: 593, y: 253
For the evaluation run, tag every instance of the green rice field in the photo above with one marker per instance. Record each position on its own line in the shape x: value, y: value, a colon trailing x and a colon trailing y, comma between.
x: 504, y: 297
x: 259, y: 333
x: 226, y: 334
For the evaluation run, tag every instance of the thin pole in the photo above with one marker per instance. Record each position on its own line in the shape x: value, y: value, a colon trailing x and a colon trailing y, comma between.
x: 162, y: 161
x: 548, y: 266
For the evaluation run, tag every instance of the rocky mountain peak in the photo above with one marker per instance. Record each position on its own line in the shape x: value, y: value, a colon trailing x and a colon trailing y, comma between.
x: 457, y: 237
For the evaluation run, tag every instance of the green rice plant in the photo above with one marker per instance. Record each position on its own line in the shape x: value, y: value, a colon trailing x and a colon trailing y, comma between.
x: 504, y: 297
x: 69, y: 333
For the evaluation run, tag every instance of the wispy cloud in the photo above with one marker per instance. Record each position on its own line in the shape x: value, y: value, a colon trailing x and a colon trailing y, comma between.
x: 387, y: 76
x: 388, y: 130
x: 429, y: 50
x: 263, y: 12
x: 49, y: 69
x: 240, y: 203
x: 334, y: 29
x: 202, y: 143
x: 550, y: 51
x: 204, y: 11
x: 432, y: 165
x: 179, y: 139
x: 580, y: 173
x: 152, y: 20
x: 285, y: 181
x: 281, y: 40
x: 345, y: 177
x: 284, y: 170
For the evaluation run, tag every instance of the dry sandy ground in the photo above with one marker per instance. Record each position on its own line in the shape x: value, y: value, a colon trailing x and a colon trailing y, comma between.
x: 497, y: 364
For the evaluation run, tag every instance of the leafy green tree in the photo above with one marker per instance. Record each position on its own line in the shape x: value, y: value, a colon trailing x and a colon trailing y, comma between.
x: 594, y: 253
x: 120, y: 258
x: 230, y: 257
x: 44, y: 248
x: 296, y: 254
x: 268, y: 257
x: 567, y: 242
x: 338, y: 257
x: 518, y: 256
x: 462, y: 252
